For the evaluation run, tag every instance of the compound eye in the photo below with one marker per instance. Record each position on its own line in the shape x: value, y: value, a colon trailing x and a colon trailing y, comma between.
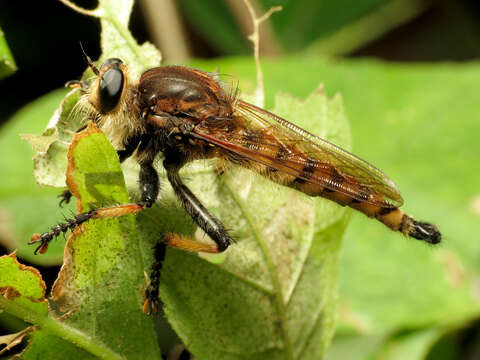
x: 111, y: 86
x: 111, y: 61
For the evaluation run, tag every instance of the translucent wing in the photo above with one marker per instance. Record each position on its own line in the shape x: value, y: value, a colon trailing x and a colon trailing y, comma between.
x: 261, y: 136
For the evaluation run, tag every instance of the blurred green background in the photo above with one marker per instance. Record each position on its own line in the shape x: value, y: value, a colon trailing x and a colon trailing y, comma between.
x: 409, y: 74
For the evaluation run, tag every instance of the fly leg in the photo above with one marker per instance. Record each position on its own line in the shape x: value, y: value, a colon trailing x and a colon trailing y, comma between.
x: 70, y: 224
x: 149, y: 184
x: 65, y: 197
x: 199, y: 213
x: 150, y: 304
x: 149, y: 187
x: 153, y: 281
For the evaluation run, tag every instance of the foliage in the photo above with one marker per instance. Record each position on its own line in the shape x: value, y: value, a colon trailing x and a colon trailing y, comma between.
x: 263, y: 280
x: 7, y: 63
x: 397, y: 297
x: 326, y: 27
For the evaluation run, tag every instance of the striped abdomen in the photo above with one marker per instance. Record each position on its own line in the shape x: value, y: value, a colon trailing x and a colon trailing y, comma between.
x: 292, y: 157
x: 288, y: 165
x: 391, y: 216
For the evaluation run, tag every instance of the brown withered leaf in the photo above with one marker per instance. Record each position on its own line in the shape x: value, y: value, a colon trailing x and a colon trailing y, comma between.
x: 12, y: 340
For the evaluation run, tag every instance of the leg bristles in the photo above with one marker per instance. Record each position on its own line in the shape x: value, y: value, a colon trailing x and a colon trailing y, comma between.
x: 150, y: 304
x: 70, y: 224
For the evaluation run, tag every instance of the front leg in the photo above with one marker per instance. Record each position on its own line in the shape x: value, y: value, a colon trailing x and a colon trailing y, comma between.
x: 149, y: 184
x: 149, y: 187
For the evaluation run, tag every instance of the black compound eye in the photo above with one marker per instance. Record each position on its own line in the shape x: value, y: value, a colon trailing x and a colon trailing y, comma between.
x: 110, y: 90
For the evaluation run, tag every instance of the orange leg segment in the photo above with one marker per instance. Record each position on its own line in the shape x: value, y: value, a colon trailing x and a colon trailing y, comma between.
x: 187, y: 244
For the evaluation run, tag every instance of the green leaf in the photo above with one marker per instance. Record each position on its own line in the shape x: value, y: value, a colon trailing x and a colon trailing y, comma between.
x: 22, y: 294
x: 100, y: 284
x: 20, y: 197
x: 50, y: 162
x: 117, y: 41
x: 44, y: 345
x: 7, y: 63
x: 414, y: 346
x: 22, y: 288
x: 118, y: 310
x: 354, y: 347
x: 213, y: 20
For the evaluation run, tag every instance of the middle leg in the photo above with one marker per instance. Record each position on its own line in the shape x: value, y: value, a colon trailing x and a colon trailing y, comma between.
x: 199, y: 213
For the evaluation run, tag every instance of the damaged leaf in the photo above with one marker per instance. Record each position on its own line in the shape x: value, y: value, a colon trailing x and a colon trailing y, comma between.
x: 99, y: 287
x: 22, y: 288
x: 50, y: 162
x: 22, y: 294
x: 12, y: 340
x: 116, y: 41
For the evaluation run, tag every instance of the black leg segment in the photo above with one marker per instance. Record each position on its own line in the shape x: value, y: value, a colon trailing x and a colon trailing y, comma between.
x: 70, y: 224
x: 60, y: 228
x: 149, y: 184
x: 199, y: 213
x: 151, y: 290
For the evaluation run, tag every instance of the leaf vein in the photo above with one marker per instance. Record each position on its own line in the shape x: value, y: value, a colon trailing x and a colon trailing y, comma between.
x: 278, y: 295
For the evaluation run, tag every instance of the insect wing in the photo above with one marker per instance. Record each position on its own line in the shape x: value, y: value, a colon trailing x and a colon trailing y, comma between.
x: 261, y: 136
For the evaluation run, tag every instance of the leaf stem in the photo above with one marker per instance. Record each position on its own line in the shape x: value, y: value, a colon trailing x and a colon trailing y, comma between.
x: 59, y: 329
x: 254, y: 37
x: 95, y: 12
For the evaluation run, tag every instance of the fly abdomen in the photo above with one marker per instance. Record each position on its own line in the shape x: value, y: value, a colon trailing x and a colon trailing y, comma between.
x: 391, y: 216
x: 397, y: 220
x: 311, y: 170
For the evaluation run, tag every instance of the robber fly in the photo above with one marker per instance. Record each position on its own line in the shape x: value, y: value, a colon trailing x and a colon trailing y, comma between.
x: 187, y: 114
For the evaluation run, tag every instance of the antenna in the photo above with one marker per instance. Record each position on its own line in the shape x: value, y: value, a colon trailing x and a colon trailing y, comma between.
x: 89, y: 61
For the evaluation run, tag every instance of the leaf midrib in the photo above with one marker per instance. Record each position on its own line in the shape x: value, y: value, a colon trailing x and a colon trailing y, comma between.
x: 277, y: 293
x: 60, y: 329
